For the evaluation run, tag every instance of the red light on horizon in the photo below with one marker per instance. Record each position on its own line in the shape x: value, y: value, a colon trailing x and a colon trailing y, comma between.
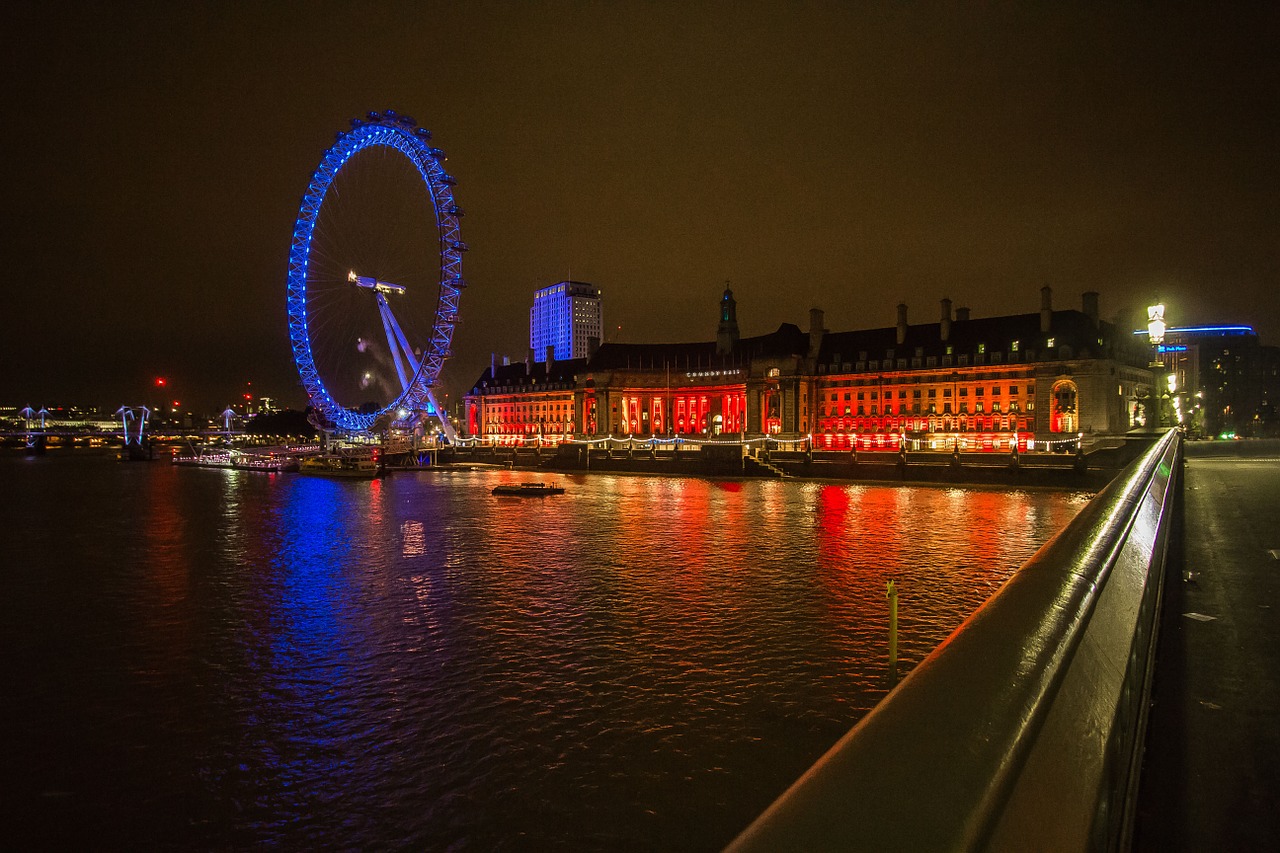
x: 161, y: 381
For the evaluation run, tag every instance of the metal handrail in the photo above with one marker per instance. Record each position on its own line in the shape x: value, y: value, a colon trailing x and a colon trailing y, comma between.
x: 1018, y: 731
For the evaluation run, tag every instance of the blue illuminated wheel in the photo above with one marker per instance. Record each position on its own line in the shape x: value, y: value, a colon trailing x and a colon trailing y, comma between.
x: 375, y: 274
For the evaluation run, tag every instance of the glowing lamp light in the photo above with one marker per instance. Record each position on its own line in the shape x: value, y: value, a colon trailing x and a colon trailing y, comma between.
x: 1155, y: 323
x: 1172, y: 380
x: 161, y: 382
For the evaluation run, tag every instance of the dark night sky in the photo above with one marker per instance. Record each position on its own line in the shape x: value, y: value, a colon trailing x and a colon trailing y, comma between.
x: 845, y: 156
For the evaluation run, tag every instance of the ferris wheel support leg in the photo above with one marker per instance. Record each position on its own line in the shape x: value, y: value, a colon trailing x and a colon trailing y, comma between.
x: 443, y: 417
x: 391, y: 327
x: 409, y: 357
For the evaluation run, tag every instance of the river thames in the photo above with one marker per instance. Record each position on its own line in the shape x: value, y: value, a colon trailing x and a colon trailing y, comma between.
x: 214, y: 659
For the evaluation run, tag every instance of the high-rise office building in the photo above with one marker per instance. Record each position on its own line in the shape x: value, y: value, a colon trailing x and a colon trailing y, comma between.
x: 567, y: 317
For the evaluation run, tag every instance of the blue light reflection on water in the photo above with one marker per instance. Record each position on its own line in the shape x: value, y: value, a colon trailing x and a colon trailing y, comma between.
x: 638, y: 664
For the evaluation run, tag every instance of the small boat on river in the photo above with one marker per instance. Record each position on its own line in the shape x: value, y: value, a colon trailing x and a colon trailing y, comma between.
x: 528, y: 490
x: 343, y: 465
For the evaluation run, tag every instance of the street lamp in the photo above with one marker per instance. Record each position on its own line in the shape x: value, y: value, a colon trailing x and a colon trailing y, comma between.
x: 1155, y: 324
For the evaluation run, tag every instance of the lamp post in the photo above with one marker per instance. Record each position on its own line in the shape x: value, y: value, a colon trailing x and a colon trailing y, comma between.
x: 1155, y: 334
x: 1155, y: 324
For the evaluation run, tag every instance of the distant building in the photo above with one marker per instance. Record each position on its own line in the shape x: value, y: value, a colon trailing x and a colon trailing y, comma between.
x: 566, y: 316
x: 980, y: 384
x: 1224, y: 380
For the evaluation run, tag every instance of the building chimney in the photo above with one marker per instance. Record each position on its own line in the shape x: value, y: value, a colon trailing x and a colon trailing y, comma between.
x: 493, y: 365
x: 816, y: 332
x: 946, y: 320
x: 1046, y: 309
x: 902, y: 322
x: 962, y: 315
x: 1089, y: 302
x: 528, y: 362
x: 551, y: 353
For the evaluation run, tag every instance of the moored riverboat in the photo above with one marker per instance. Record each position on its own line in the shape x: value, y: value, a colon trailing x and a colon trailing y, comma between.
x: 342, y: 465
x: 528, y: 490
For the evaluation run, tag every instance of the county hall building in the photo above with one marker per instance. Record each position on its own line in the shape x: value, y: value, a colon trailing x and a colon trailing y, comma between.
x: 976, y: 384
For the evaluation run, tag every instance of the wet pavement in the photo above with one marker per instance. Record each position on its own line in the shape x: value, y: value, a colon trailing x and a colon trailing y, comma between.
x: 1211, y: 774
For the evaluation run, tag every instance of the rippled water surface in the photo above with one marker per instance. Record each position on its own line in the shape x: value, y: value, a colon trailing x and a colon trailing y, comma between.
x: 206, y: 659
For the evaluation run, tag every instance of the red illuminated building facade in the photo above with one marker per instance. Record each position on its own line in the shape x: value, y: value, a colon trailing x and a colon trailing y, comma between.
x: 524, y: 402
x: 982, y: 384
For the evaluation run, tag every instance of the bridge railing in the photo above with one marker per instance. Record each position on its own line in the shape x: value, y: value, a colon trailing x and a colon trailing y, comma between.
x: 1023, y: 730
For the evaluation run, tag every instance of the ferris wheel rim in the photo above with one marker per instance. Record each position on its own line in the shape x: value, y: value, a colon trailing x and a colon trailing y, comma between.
x: 400, y: 133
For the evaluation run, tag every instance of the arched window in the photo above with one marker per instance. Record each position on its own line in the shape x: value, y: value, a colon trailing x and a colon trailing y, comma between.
x: 1063, y: 402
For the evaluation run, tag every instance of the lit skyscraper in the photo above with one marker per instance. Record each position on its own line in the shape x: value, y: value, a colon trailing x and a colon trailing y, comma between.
x: 567, y: 316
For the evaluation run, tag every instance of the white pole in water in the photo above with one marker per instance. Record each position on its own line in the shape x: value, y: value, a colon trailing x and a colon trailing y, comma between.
x: 891, y: 593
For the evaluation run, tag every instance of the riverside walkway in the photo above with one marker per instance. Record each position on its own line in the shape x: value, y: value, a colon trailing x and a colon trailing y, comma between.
x: 1211, y: 774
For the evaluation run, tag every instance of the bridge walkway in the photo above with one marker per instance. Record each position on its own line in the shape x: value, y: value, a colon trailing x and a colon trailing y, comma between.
x: 1211, y: 772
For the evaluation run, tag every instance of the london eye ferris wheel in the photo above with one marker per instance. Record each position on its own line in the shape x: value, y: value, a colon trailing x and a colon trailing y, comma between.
x: 375, y: 275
